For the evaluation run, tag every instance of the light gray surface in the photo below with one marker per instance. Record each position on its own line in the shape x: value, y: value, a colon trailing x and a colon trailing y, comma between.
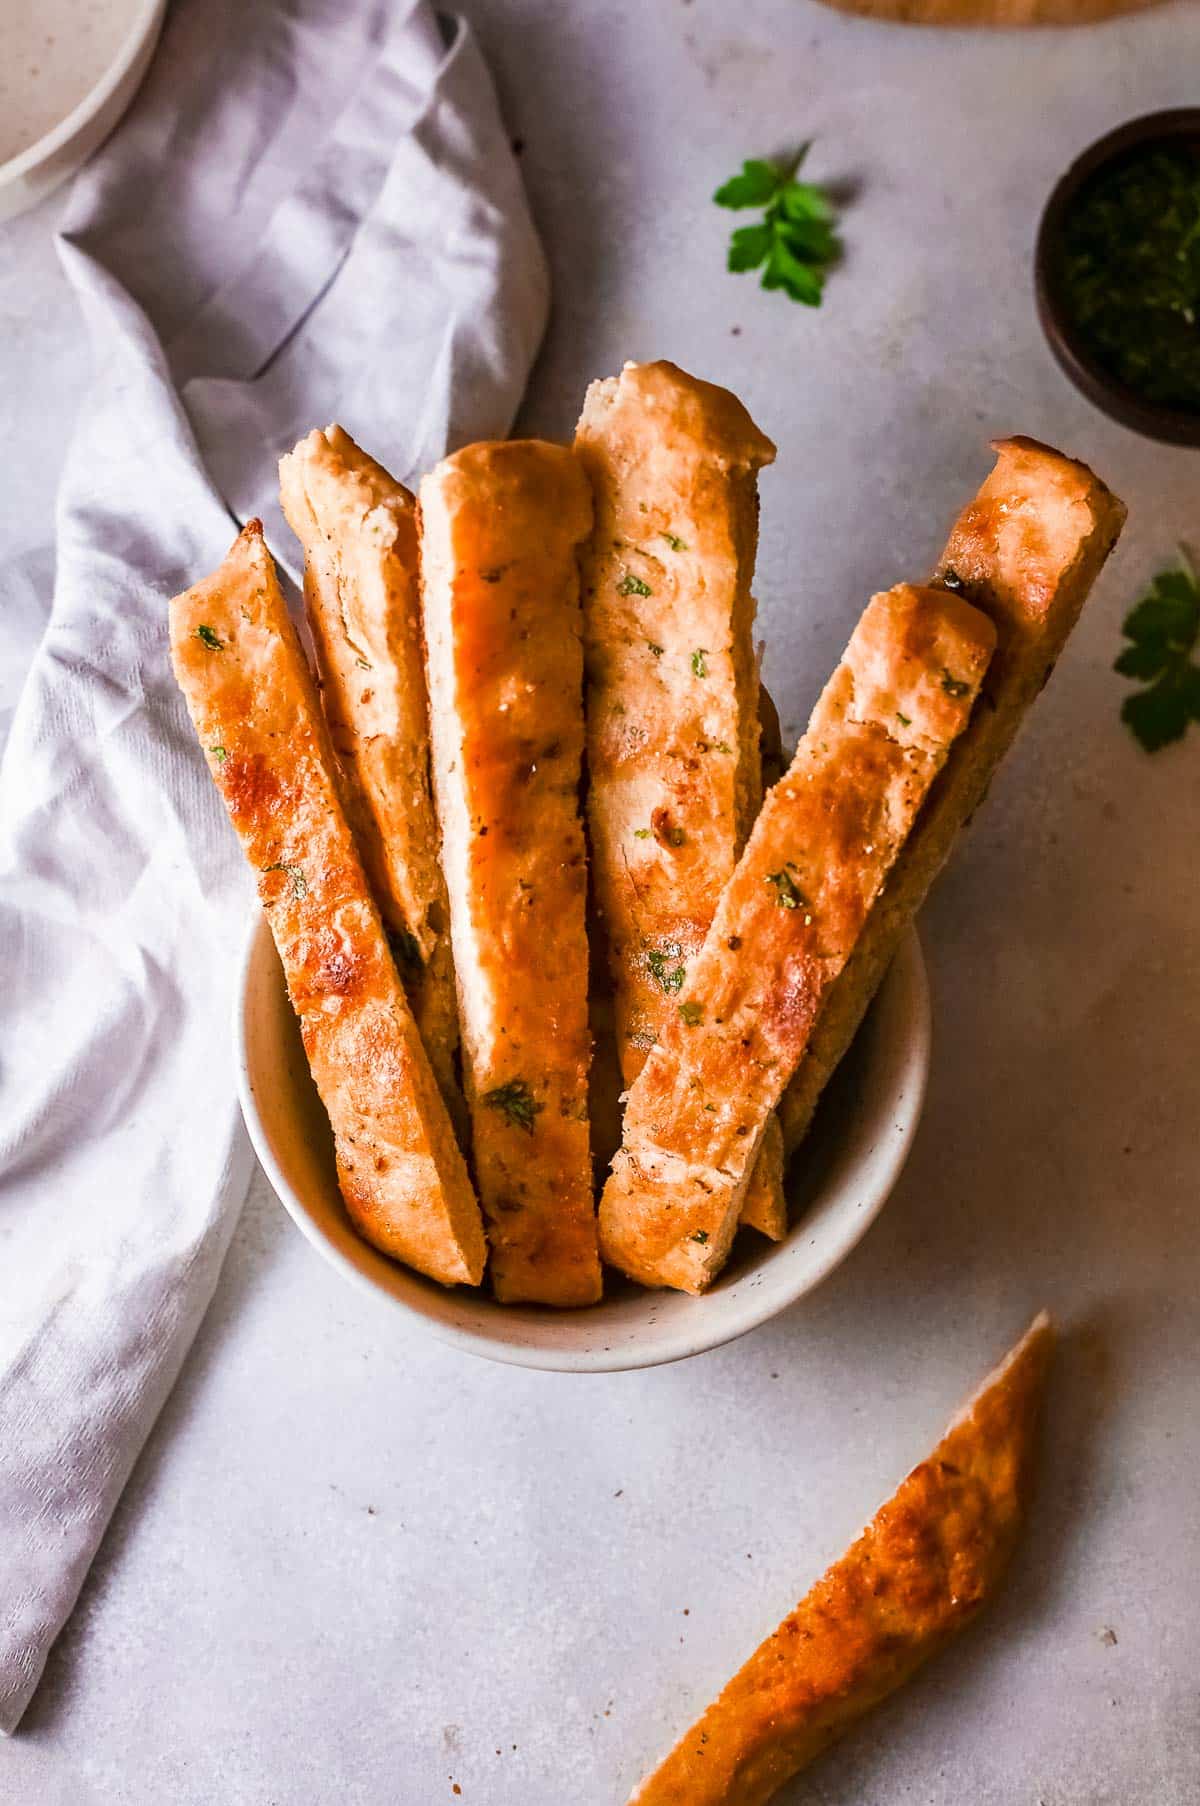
x: 355, y: 1566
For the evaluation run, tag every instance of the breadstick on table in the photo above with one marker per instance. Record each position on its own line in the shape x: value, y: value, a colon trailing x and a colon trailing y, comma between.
x: 358, y: 528
x: 1026, y: 551
x: 501, y: 526
x: 254, y: 707
x: 786, y: 923
x: 925, y: 1566
x: 674, y: 775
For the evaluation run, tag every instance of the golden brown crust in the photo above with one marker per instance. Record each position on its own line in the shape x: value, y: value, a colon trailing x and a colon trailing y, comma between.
x: 1026, y: 551
x: 357, y: 526
x: 785, y: 925
x: 930, y: 1559
x: 255, y: 710
x: 501, y: 525
x: 672, y: 689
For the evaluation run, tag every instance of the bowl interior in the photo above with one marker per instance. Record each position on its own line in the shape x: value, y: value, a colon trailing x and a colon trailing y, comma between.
x: 849, y: 1164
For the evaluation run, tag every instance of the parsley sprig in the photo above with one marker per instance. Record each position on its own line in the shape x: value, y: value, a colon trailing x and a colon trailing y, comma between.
x: 1162, y: 630
x: 794, y: 244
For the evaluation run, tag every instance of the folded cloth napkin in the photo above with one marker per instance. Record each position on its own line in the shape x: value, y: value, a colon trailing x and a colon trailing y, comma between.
x: 312, y: 213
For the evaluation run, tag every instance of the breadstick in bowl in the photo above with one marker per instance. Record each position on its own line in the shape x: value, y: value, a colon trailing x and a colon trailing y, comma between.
x: 358, y: 528
x: 1026, y: 551
x: 254, y: 707
x: 785, y: 925
x: 674, y: 772
x: 501, y: 526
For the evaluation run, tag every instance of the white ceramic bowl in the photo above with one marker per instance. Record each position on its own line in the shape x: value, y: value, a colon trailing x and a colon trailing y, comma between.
x: 851, y: 1161
x: 34, y: 172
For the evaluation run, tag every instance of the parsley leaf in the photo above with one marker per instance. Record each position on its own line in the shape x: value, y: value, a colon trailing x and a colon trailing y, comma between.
x: 673, y: 540
x: 748, y: 247
x: 219, y: 754
x: 633, y: 586
x: 692, y: 1013
x: 208, y: 636
x: 656, y: 965
x: 954, y: 686
x: 757, y: 184
x: 1162, y: 630
x: 794, y: 244
x: 515, y: 1103
x: 797, y: 278
x: 700, y: 1236
x: 699, y: 665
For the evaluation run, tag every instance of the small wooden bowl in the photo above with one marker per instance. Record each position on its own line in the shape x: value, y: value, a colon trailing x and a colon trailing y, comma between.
x: 1176, y: 426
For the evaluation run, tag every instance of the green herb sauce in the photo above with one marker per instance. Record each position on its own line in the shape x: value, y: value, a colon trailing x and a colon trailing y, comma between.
x: 1129, y: 272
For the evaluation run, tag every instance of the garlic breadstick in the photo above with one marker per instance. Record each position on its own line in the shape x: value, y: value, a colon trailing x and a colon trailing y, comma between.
x: 674, y: 777
x: 1026, y: 551
x: 501, y: 526
x: 785, y: 925
x: 925, y: 1566
x: 357, y: 526
x: 254, y: 707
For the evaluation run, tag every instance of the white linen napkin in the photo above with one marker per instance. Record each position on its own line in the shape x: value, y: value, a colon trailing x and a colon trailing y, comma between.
x: 312, y: 213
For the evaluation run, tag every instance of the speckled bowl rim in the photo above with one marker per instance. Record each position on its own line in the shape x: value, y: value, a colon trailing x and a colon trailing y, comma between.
x: 636, y: 1328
